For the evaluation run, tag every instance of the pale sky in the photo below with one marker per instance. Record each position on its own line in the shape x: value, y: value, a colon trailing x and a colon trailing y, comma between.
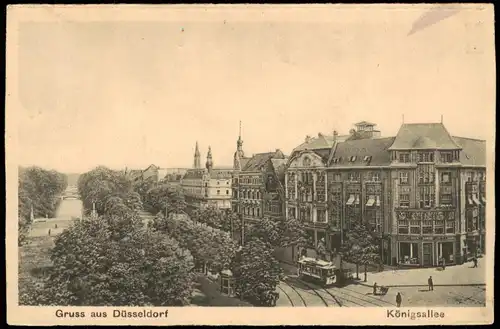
x: 131, y: 93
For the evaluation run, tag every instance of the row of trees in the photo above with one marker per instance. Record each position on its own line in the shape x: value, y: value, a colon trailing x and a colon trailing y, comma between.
x: 161, y: 198
x: 276, y: 232
x: 360, y: 243
x: 113, y: 260
x: 107, y: 189
x: 256, y: 271
x: 40, y: 190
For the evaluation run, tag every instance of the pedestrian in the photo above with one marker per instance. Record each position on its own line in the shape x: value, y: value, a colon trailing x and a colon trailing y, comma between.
x: 49, y: 231
x: 398, y: 299
x: 375, y: 288
x: 55, y: 226
x: 475, y: 261
x: 443, y: 263
x: 431, y: 284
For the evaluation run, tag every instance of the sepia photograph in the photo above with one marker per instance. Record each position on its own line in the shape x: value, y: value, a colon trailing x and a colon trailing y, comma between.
x: 293, y: 163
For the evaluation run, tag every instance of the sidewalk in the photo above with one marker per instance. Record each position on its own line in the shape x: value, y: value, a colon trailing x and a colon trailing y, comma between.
x: 458, y: 275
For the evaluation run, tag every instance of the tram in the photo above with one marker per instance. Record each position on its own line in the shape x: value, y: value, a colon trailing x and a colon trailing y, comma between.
x: 322, y: 272
x: 316, y: 270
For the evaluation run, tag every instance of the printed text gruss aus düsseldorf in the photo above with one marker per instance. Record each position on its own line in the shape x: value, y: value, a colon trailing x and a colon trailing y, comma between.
x: 115, y: 314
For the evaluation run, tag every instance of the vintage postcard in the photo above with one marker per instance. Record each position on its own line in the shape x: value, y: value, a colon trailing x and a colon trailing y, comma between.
x: 250, y: 164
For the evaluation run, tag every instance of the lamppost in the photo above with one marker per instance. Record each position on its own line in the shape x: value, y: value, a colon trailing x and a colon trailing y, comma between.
x: 94, y: 211
x: 242, y: 230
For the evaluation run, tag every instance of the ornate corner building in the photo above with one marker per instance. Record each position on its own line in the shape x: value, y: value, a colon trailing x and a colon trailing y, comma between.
x: 422, y: 192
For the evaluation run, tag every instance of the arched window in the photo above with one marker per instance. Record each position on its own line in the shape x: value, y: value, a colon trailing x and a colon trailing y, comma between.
x: 253, y: 212
x: 258, y: 212
x: 306, y: 162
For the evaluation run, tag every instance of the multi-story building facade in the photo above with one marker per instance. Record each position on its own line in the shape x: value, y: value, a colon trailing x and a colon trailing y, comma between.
x: 306, y: 184
x: 207, y: 186
x: 258, y: 184
x: 422, y: 192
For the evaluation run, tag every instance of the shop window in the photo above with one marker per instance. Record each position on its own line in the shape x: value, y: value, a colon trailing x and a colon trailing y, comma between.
x: 337, y: 177
x: 408, y: 253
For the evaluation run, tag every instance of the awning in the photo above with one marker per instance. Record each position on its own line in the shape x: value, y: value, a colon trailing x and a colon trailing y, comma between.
x: 470, y: 201
x: 476, y: 200
x: 483, y: 198
x: 377, y: 203
x: 357, y: 200
x: 371, y: 201
x: 351, y: 200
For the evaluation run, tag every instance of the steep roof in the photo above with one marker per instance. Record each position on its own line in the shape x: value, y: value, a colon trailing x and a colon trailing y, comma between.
x: 367, y: 152
x: 279, y: 166
x: 259, y: 160
x: 221, y: 173
x: 315, y: 143
x: 473, y: 151
x: 194, y: 174
x: 423, y: 136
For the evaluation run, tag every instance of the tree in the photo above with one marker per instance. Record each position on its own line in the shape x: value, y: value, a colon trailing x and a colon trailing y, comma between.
x: 108, y: 262
x: 210, y: 247
x: 267, y: 230
x: 40, y: 190
x: 360, y: 246
x: 257, y: 273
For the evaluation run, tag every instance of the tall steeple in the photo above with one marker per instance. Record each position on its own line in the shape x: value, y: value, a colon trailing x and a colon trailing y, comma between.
x: 239, y: 145
x: 209, y: 164
x: 239, y: 154
x: 197, y: 159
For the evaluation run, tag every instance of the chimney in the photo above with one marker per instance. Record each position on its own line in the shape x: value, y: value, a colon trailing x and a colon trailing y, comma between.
x: 320, y: 135
x: 308, y: 139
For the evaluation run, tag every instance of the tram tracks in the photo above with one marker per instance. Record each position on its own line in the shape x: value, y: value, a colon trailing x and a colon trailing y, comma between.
x: 296, y: 292
x: 315, y: 291
x: 287, y: 295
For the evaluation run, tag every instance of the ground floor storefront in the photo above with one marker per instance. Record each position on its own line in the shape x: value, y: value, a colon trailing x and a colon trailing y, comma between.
x: 426, y: 251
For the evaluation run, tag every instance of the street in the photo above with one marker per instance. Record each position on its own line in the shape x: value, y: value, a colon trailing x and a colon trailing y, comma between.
x: 449, y: 290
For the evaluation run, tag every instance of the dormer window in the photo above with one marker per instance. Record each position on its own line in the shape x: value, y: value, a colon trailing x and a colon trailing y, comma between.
x: 446, y: 157
x: 404, y: 157
x: 367, y: 157
x: 353, y: 158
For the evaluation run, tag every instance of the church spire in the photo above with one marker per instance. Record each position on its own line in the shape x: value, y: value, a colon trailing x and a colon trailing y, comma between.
x: 197, y: 162
x: 239, y: 154
x: 209, y: 163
